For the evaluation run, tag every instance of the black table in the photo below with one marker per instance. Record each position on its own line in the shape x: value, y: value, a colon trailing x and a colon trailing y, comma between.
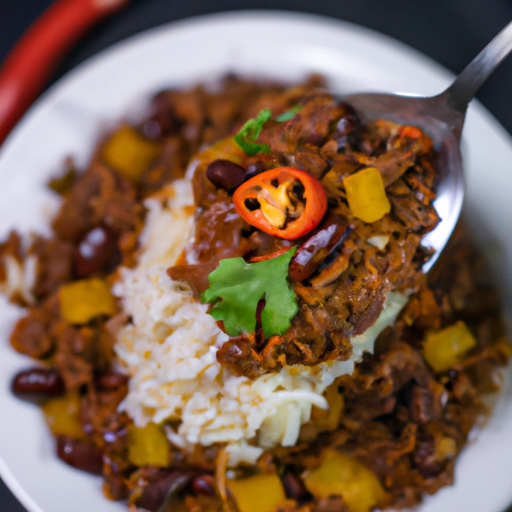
x: 449, y: 31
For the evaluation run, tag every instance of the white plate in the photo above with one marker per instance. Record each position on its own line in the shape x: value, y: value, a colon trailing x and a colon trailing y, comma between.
x: 67, y: 120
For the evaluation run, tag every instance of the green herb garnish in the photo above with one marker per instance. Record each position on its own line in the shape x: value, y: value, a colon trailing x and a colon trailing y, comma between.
x: 236, y: 288
x: 248, y: 135
x: 289, y: 114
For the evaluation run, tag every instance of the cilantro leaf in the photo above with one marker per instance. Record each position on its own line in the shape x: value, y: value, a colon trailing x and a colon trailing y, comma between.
x: 236, y: 287
x: 289, y: 114
x: 248, y: 135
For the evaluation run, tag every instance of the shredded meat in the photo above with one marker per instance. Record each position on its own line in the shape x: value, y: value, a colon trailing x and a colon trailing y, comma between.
x: 54, y: 264
x: 346, y: 294
x: 99, y: 196
x: 397, y: 417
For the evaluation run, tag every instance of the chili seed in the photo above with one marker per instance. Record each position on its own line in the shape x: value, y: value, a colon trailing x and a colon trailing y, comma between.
x: 226, y: 175
x: 96, y: 252
x: 37, y: 385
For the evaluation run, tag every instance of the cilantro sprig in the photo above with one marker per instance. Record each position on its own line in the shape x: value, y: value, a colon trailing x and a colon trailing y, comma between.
x: 289, y: 114
x: 248, y: 135
x: 236, y: 288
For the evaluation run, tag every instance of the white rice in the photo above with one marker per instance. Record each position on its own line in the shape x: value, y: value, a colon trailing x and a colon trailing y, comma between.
x: 169, y: 351
x: 20, y: 277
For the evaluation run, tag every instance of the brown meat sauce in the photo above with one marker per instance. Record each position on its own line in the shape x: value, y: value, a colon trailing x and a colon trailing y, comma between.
x: 399, y: 418
x: 345, y: 293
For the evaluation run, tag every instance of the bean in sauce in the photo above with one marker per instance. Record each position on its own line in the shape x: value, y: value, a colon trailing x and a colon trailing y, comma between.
x: 204, y: 484
x: 80, y: 453
x: 95, y: 252
x: 37, y: 385
x: 226, y: 175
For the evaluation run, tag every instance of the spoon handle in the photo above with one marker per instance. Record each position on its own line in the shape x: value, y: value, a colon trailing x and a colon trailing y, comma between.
x: 466, y: 85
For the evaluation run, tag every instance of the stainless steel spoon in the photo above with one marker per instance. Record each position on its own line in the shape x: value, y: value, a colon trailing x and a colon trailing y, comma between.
x: 442, y: 117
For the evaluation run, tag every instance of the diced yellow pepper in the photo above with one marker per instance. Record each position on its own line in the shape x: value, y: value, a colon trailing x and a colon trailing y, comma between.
x: 446, y: 448
x: 148, y: 446
x: 129, y: 153
x: 444, y: 349
x: 328, y: 420
x: 81, y: 301
x: 342, y: 475
x: 366, y: 194
x: 63, y: 415
x: 259, y: 493
x: 226, y: 149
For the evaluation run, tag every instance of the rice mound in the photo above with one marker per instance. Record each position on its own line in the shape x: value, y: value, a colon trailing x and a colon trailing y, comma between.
x: 169, y: 351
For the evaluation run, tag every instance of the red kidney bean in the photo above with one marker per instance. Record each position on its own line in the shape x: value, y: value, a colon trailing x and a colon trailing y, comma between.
x: 162, y: 120
x: 204, y: 484
x: 346, y: 127
x: 348, y: 122
x: 294, y: 487
x: 80, y: 453
x: 37, y: 385
x: 156, y: 492
x: 226, y: 175
x: 313, y: 251
x: 96, y: 252
x: 255, y: 168
x: 111, y: 381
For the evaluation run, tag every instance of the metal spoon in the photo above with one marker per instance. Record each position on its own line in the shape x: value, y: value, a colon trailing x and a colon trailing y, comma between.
x: 442, y: 117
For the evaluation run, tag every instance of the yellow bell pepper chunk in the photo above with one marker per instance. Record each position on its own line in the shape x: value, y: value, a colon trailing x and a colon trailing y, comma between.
x: 328, y: 420
x: 81, y: 301
x: 63, y: 415
x: 342, y: 475
x: 446, y: 448
x: 260, y: 493
x: 226, y: 149
x: 148, y: 446
x: 366, y: 194
x: 129, y: 153
x: 446, y: 348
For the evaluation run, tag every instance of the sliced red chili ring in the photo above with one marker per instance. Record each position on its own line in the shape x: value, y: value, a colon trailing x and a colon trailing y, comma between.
x: 265, y: 257
x: 283, y: 202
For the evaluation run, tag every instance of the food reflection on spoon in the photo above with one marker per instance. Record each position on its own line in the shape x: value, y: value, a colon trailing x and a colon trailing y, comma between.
x: 442, y: 117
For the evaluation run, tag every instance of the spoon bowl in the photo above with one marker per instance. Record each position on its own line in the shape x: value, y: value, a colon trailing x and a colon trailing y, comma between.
x: 441, y: 117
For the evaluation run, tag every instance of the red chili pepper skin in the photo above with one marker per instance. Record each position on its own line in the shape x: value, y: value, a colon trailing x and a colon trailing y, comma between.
x: 265, y: 257
x: 33, y: 59
x: 314, y: 209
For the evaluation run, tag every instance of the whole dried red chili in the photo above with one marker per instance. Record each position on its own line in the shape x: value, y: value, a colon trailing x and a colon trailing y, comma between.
x: 283, y: 202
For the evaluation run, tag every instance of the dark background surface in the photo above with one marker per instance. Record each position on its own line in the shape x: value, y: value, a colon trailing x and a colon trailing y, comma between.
x: 449, y: 31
